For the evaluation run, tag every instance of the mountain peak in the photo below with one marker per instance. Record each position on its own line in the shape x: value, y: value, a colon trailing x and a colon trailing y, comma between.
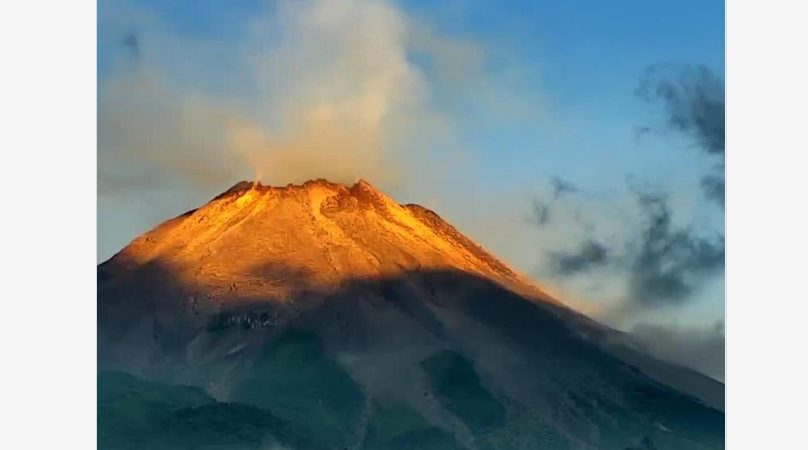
x: 361, y: 188
x: 363, y: 185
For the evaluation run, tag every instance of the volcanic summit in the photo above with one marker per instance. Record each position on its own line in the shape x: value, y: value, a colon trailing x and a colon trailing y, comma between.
x: 268, y: 241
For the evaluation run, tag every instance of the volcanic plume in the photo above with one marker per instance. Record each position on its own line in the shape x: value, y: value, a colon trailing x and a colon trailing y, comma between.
x: 334, y: 313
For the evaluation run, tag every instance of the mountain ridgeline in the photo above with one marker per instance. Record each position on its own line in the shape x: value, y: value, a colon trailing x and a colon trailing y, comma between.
x: 324, y: 316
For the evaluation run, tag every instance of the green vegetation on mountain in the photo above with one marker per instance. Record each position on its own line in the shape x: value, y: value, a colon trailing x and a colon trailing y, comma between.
x: 395, y: 426
x: 297, y: 381
x: 459, y: 389
x: 134, y: 414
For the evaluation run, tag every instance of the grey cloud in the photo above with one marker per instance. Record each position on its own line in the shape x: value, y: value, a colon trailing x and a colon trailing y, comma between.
x: 714, y: 187
x: 662, y: 263
x: 670, y: 263
x: 541, y: 212
x: 589, y: 255
x: 561, y: 187
x: 693, y: 97
x: 542, y: 207
x: 694, y: 102
x: 131, y: 43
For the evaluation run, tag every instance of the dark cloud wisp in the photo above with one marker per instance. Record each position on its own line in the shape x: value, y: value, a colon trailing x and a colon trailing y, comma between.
x: 695, y: 105
x: 669, y: 263
x: 590, y: 255
x: 542, y: 207
x: 541, y: 212
x: 694, y: 101
x: 663, y: 263
x: 131, y: 42
x: 561, y: 187
x: 714, y: 187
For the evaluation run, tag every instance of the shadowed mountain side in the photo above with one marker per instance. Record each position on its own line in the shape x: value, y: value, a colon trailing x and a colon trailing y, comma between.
x: 544, y: 366
x: 134, y: 414
x: 708, y: 390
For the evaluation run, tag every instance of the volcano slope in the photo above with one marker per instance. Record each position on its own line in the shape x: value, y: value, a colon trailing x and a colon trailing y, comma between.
x: 322, y: 316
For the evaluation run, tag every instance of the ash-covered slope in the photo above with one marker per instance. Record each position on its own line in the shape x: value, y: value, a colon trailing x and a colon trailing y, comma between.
x: 356, y: 322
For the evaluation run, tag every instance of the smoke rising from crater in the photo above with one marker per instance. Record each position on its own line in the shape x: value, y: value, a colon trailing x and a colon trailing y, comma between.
x: 337, y: 92
x: 313, y: 88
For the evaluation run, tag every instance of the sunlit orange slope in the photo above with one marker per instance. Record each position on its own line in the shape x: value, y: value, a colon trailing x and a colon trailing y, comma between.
x: 263, y: 241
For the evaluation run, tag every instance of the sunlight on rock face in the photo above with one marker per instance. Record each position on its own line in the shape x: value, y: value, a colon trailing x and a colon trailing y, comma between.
x: 246, y: 198
x: 264, y: 241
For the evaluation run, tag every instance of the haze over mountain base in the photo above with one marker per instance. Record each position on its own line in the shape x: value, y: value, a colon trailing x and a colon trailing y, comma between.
x: 323, y: 316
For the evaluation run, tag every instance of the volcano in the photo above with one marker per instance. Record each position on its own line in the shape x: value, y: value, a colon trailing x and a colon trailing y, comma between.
x: 326, y: 316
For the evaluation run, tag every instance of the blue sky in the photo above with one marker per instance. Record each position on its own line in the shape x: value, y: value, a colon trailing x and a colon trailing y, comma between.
x: 552, y: 96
